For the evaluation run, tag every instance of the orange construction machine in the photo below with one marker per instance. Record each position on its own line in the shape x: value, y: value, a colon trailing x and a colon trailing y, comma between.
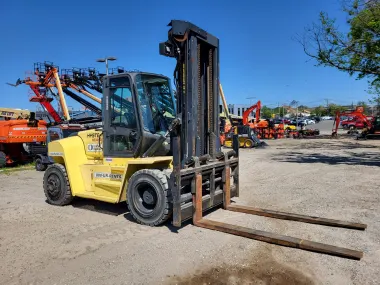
x: 358, y: 113
x: 15, y: 135
x: 371, y: 125
x: 264, y: 129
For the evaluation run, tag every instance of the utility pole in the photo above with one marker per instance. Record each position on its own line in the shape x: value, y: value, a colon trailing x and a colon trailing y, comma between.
x: 327, y: 106
x: 295, y: 103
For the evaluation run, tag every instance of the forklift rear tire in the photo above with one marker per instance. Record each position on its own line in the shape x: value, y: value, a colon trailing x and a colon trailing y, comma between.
x: 39, y: 165
x: 3, y: 159
x: 248, y: 143
x: 148, y: 197
x: 56, y: 185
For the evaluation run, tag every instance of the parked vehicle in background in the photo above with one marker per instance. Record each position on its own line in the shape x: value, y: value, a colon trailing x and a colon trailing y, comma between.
x: 316, y: 119
x: 353, y: 123
x: 326, y: 118
x: 278, y: 121
x: 302, y: 123
x: 310, y: 122
x: 292, y: 122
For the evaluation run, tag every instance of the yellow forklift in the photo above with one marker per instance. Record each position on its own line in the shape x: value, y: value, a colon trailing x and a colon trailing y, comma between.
x: 164, y: 159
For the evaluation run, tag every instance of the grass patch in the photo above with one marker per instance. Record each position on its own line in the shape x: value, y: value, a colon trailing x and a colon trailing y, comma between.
x: 10, y: 169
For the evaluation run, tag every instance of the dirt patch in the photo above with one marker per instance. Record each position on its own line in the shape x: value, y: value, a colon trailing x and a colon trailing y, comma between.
x: 258, y: 272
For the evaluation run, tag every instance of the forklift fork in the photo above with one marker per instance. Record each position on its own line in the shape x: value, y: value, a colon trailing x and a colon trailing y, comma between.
x: 200, y: 221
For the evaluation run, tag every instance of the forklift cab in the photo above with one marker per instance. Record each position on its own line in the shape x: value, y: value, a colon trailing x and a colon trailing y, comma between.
x: 139, y: 109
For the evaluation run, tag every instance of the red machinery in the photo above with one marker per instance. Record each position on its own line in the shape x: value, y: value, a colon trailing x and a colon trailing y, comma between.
x: 15, y: 133
x: 263, y: 128
x: 247, y: 112
x: 357, y: 113
x: 46, y: 77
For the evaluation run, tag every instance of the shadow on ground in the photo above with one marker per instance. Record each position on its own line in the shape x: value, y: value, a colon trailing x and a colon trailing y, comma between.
x: 334, y: 145
x: 350, y: 158
x: 100, y: 207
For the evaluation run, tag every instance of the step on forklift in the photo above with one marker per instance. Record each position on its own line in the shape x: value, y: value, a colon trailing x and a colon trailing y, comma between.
x: 163, y: 159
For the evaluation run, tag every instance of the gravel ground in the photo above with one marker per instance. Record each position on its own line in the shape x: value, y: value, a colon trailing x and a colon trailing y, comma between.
x: 96, y: 243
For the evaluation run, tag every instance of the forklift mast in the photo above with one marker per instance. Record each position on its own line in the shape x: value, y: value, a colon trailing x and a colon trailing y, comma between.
x: 199, y: 167
x: 197, y: 80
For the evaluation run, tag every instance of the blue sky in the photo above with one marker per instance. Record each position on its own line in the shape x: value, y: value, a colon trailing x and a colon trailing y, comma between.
x: 258, y: 57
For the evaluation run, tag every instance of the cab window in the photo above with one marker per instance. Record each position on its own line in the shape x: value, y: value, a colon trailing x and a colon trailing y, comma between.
x: 122, y: 107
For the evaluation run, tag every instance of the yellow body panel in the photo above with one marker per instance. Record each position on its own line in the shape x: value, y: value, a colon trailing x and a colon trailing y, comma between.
x: 228, y: 142
x: 91, y: 175
x: 290, y: 127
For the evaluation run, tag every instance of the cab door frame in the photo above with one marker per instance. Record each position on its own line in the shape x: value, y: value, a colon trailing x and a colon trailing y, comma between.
x: 110, y: 130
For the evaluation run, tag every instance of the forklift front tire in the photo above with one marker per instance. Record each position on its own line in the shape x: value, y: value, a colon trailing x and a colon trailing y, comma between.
x: 148, y: 197
x: 56, y: 185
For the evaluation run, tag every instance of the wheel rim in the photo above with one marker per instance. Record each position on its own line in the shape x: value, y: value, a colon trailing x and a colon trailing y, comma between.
x: 39, y: 164
x: 248, y: 144
x: 145, y: 199
x: 54, y: 187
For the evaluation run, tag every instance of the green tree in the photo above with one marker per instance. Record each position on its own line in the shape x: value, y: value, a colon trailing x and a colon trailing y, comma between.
x: 355, y: 52
x: 320, y: 111
x: 333, y: 108
x: 375, y: 91
x: 266, y: 113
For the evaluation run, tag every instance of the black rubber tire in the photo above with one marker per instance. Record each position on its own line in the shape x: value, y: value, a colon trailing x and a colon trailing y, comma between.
x: 3, y: 159
x: 56, y: 177
x: 39, y: 165
x: 154, y: 183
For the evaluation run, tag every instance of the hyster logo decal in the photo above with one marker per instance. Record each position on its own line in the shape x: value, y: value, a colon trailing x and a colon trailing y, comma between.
x: 93, y: 135
x: 93, y: 147
x: 107, y: 175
